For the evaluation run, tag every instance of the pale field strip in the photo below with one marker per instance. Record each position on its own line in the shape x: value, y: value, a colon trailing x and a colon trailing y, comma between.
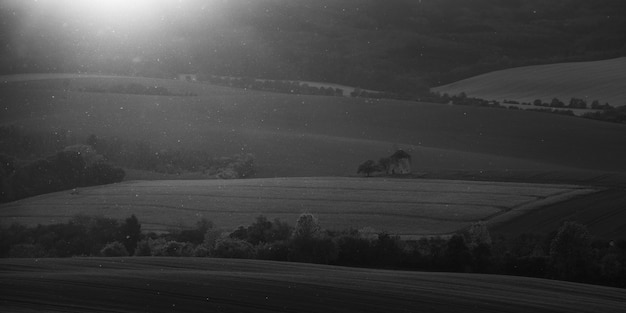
x: 596, y: 80
x: 407, y: 207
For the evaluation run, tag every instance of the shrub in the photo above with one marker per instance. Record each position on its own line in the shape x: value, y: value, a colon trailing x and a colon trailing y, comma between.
x: 163, y: 247
x: 201, y: 251
x: 233, y: 249
x: 113, y: 249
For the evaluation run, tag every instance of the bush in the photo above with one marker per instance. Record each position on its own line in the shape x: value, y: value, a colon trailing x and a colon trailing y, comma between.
x: 233, y: 249
x: 162, y: 247
x: 114, y: 249
x: 201, y: 251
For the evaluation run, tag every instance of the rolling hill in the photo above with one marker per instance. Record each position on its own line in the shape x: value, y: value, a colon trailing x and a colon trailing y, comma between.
x: 598, y: 80
x: 221, y: 285
x: 406, y: 207
x: 395, y: 45
x: 298, y: 135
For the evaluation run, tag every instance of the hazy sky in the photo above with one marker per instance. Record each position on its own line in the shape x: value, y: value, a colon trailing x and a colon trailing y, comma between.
x: 141, y: 30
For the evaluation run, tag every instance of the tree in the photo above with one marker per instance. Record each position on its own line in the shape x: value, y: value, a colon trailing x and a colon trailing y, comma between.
x: 384, y: 163
x: 478, y: 234
x: 130, y: 233
x: 576, y: 103
x: 307, y: 227
x: 233, y: 249
x: 457, y: 254
x: 570, y: 251
x: 367, y: 168
x: 556, y: 103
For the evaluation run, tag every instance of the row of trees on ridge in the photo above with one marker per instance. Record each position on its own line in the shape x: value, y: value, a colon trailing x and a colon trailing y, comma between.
x: 570, y: 253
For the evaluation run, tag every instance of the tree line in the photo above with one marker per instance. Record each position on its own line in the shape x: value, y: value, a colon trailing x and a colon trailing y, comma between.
x: 62, y: 171
x: 605, y: 112
x: 135, y: 89
x: 569, y: 253
x: 34, y: 163
x: 140, y: 154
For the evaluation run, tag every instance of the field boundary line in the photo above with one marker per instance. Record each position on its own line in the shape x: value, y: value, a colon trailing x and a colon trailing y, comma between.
x: 524, y: 208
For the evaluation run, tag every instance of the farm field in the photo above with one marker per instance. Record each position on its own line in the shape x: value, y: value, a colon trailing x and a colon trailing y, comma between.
x: 598, y: 80
x: 602, y: 213
x: 407, y: 207
x: 296, y: 135
x: 226, y: 285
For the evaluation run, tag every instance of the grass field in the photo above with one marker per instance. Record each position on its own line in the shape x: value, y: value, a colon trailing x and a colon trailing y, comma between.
x: 294, y: 135
x: 408, y: 207
x: 597, y: 80
x: 226, y: 285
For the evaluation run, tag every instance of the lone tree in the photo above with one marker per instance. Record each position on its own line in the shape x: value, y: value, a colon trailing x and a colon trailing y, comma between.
x: 367, y: 168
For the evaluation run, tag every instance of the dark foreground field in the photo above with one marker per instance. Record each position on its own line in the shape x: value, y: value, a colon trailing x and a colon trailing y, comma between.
x: 224, y: 285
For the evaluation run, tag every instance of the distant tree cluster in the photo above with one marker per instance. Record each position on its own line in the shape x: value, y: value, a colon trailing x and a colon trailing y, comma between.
x: 62, y: 171
x: 140, y: 154
x: 81, y: 236
x: 398, y: 163
x: 574, y: 103
x: 34, y: 163
x: 135, y: 89
x: 613, y: 115
x: 570, y: 253
x: 282, y: 86
x: 605, y: 111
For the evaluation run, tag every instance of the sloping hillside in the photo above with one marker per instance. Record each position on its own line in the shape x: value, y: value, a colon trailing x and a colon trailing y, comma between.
x: 600, y: 80
x: 226, y: 285
x: 394, y: 45
x: 296, y: 135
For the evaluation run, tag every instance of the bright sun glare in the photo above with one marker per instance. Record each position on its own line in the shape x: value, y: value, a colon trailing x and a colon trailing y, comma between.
x: 117, y: 7
x: 121, y: 12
